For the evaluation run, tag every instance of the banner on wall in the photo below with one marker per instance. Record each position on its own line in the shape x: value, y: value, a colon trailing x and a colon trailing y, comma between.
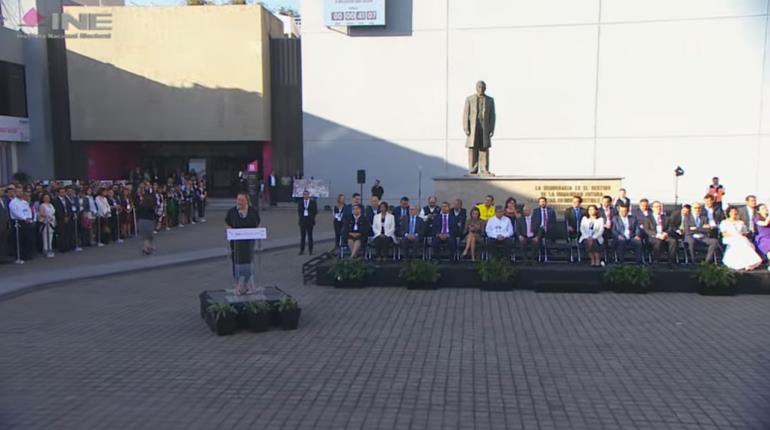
x: 14, y: 129
x: 317, y: 187
x: 352, y: 13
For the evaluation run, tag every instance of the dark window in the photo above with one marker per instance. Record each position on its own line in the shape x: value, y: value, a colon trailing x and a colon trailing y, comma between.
x: 13, y: 90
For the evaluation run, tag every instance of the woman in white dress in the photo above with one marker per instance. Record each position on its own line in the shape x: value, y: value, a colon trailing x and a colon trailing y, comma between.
x: 46, y: 218
x: 592, y: 235
x: 740, y: 253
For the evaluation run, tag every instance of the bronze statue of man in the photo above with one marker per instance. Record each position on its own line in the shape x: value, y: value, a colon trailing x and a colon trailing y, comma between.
x: 479, y: 126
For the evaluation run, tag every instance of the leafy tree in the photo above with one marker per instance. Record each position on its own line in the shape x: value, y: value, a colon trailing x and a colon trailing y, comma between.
x: 283, y: 10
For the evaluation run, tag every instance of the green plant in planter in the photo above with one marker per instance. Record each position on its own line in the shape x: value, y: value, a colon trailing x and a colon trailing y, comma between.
x: 495, y: 270
x: 257, y: 308
x: 628, y: 278
x: 290, y: 312
x: 418, y: 272
x: 221, y: 310
x: 349, y: 272
x: 258, y: 316
x: 287, y: 304
x: 496, y: 275
x: 222, y: 318
x: 716, y: 279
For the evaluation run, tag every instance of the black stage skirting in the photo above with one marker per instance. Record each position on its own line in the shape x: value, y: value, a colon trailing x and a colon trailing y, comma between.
x: 555, y: 277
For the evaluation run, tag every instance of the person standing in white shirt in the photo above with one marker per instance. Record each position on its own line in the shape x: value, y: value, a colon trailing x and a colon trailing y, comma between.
x: 23, y: 228
x: 499, y: 234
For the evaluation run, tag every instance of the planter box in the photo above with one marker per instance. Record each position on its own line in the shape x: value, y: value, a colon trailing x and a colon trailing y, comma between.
x: 421, y: 286
x: 625, y: 289
x: 567, y: 287
x: 349, y: 283
x: 290, y: 319
x: 275, y: 318
x: 496, y: 286
x: 717, y: 291
x: 258, y: 322
x: 222, y: 326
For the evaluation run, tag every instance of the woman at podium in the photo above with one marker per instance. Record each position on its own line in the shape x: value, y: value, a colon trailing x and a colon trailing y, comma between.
x: 242, y: 215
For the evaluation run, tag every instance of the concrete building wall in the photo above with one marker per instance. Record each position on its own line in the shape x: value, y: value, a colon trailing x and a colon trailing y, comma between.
x: 33, y: 157
x: 173, y: 74
x: 582, y: 87
x: 37, y: 157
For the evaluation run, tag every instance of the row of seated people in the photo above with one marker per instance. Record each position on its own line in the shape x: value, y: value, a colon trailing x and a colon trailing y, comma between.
x: 606, y: 230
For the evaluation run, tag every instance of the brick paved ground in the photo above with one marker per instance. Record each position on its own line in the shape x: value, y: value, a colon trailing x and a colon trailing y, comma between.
x: 131, y: 352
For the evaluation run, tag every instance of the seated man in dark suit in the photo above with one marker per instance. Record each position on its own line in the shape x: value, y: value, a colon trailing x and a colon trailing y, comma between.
x: 714, y: 215
x: 676, y: 221
x: 748, y: 215
x: 372, y: 210
x: 607, y: 213
x: 544, y: 222
x: 499, y: 234
x: 657, y: 229
x: 627, y: 234
x: 445, y: 234
x: 525, y: 231
x: 401, y: 211
x: 697, y: 230
x: 411, y: 233
x: 572, y: 217
x: 429, y: 213
x: 458, y: 217
x: 356, y: 231
x: 347, y: 211
x: 642, y: 213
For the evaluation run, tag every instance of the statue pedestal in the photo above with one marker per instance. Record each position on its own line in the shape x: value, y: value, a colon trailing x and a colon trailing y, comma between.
x: 526, y: 189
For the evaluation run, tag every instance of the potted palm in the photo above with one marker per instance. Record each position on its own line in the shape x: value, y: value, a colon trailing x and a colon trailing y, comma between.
x: 420, y: 275
x: 289, y: 310
x: 496, y: 275
x: 257, y: 316
x: 222, y: 318
x: 349, y: 273
x: 628, y: 279
x: 716, y: 280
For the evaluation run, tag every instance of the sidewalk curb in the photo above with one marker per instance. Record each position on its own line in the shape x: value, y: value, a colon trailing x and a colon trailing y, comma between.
x: 112, y: 269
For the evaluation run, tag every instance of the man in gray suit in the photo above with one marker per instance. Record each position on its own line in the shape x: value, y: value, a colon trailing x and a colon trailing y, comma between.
x: 479, y: 126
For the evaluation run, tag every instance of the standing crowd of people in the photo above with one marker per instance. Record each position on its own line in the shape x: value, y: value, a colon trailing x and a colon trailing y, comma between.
x: 45, y: 218
x: 738, y: 236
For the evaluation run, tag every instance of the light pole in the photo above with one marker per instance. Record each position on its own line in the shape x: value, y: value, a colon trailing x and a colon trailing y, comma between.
x: 419, y: 185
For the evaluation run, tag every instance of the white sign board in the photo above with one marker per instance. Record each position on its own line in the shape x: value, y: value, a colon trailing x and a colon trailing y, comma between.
x: 14, y: 129
x: 318, y: 188
x: 351, y: 13
x: 246, y: 233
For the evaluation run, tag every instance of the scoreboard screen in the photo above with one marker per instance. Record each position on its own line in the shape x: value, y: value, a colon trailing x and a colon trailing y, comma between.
x: 354, y: 13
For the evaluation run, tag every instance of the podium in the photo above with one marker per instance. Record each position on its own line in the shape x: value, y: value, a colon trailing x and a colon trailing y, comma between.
x: 247, y: 304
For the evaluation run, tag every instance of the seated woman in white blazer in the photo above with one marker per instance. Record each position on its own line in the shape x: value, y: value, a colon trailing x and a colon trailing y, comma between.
x: 592, y: 235
x: 384, y: 229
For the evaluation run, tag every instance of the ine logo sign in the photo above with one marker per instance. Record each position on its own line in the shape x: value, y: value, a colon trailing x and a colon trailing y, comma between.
x: 80, y: 25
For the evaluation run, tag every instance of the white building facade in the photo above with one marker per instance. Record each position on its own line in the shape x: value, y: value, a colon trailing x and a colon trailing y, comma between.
x: 581, y: 87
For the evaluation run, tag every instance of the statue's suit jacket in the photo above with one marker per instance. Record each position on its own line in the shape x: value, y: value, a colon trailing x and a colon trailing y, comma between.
x: 487, y: 120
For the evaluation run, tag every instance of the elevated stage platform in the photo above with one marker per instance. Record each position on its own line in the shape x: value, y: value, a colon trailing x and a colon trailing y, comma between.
x: 553, y: 277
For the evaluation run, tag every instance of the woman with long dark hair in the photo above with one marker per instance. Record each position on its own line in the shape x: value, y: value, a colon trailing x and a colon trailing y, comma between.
x: 145, y: 220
